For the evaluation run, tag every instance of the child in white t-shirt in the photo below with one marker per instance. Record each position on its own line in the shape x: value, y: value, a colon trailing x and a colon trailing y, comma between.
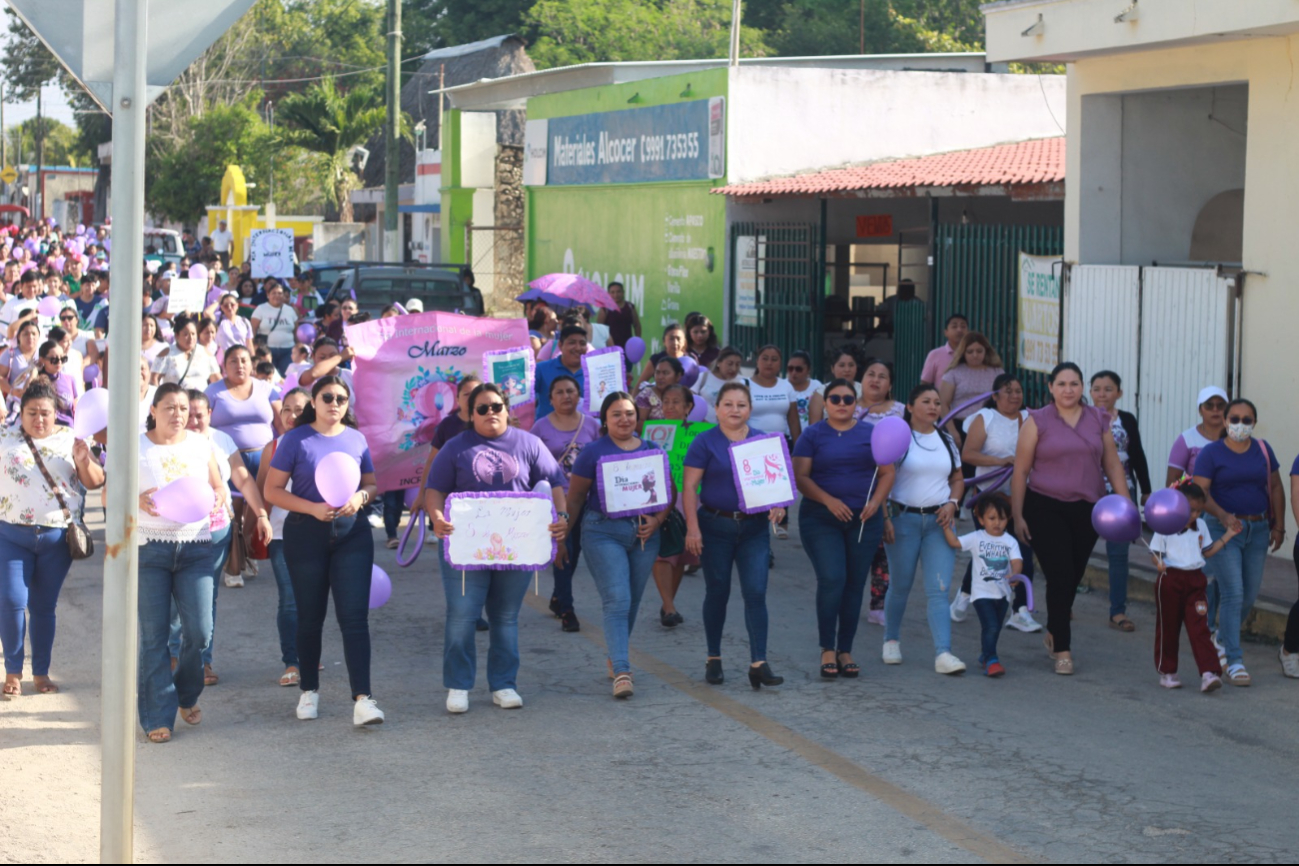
x: 996, y: 557
x: 1179, y: 594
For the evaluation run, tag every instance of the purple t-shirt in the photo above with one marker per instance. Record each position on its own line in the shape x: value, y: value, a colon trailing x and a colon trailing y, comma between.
x: 711, y: 452
x: 1237, y: 482
x: 248, y: 422
x: 447, y: 429
x: 587, y: 462
x: 514, y: 461
x: 557, y: 442
x: 302, y: 448
x: 66, y: 404
x: 842, y: 463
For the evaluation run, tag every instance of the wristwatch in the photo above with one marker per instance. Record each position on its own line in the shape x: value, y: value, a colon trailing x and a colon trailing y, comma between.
x: 563, y: 514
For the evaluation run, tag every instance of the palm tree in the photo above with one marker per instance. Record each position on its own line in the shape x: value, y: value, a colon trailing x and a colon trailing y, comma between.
x: 325, y: 120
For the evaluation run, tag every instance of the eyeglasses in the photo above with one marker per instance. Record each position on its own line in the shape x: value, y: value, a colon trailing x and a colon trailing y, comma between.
x: 840, y: 399
x: 494, y: 408
x: 1240, y: 419
x: 331, y: 399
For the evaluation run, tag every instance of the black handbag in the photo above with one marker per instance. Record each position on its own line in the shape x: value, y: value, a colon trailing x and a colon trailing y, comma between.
x: 80, y: 543
x: 672, y: 535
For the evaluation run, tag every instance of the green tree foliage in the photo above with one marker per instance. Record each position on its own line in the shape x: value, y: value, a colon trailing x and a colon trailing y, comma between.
x: 798, y: 28
x: 62, y: 144
x: 28, y: 63
x: 429, y: 24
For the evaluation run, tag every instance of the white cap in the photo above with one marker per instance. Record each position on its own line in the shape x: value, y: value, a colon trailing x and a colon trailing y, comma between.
x: 414, y: 305
x: 1208, y: 392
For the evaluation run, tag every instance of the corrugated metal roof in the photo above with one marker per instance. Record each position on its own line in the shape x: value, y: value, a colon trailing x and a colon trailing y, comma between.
x: 1026, y: 162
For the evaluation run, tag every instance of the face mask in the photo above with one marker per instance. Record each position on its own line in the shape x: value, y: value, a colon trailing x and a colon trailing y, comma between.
x: 1239, y: 432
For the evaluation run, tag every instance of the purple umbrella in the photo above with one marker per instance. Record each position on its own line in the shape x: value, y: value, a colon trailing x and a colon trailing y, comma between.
x: 567, y: 290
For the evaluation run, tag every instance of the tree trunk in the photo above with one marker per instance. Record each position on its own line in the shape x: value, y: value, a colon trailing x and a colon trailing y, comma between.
x: 343, y: 193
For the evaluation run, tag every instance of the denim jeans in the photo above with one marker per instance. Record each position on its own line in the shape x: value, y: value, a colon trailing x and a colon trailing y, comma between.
x: 563, y: 591
x: 286, y: 615
x: 1238, y: 571
x: 843, y: 569
x: 325, y: 558
x: 992, y: 613
x: 220, y: 553
x: 621, y: 569
x: 282, y: 358
x: 183, y: 573
x: 1118, y: 559
x: 392, y: 501
x: 467, y: 592
x: 919, y: 539
x: 34, y: 561
x: 744, y: 545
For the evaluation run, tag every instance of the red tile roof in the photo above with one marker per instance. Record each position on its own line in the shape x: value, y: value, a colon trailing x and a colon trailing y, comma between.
x: 1026, y: 162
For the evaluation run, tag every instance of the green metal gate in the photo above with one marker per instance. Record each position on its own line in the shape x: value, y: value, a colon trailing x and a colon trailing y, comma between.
x: 776, y: 289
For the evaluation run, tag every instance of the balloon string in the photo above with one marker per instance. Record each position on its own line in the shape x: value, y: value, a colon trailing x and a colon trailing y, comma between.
x: 462, y: 582
x: 868, y: 502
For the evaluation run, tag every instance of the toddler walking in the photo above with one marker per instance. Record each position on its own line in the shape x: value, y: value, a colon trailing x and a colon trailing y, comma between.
x: 1179, y: 595
x: 996, y: 557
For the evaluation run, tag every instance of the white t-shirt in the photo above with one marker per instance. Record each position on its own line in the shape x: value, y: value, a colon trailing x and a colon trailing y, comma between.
x: 922, y: 475
x: 198, y: 372
x: 9, y: 312
x: 992, y: 556
x: 1001, y: 436
x: 771, y: 406
x: 276, y: 325
x: 160, y: 465
x: 803, y: 399
x: 1185, y: 550
x: 221, y: 240
x: 707, y: 387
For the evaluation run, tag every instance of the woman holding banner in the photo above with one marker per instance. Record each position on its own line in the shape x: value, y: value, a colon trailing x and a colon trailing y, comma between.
x: 620, y: 549
x: 724, y: 537
x: 492, y: 457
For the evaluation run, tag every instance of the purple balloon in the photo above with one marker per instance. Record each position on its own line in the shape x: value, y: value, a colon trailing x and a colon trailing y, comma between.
x: 92, y: 413
x: 890, y: 440
x: 91, y: 373
x: 185, y: 500
x: 410, y: 497
x: 1116, y: 519
x: 198, y: 271
x: 634, y: 350
x: 543, y: 487
x: 1028, y: 587
x: 380, y: 587
x: 700, y: 410
x: 1168, y: 511
x: 338, y: 476
x: 690, y: 370
x: 49, y: 307
x: 306, y: 333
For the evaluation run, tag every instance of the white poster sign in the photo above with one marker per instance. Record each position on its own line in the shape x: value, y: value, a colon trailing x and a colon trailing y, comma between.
x: 603, y: 372
x: 536, y: 152
x: 750, y: 251
x: 500, y: 531
x: 187, y: 296
x: 761, y: 467
x: 270, y: 252
x: 1039, y: 312
x: 717, y: 136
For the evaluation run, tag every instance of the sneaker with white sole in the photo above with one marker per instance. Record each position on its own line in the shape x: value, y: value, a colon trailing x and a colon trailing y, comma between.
x: 1022, y: 620
x: 946, y: 663
x: 376, y: 521
x: 960, y: 607
x: 234, y: 580
x: 1170, y: 681
x: 366, y: 712
x: 507, y: 699
x: 1289, y: 663
x: 892, y: 654
x: 309, y: 705
x: 1210, y: 682
x: 1222, y: 653
x: 457, y: 701
x: 1238, y: 676
x: 782, y: 533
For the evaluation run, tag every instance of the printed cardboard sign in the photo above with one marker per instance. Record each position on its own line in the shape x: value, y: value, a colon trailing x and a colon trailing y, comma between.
x: 270, y: 253
x: 187, y: 296
x: 604, y: 371
x: 500, y: 531
x: 675, y: 437
x: 763, y: 475
x: 636, y: 484
x: 515, y: 371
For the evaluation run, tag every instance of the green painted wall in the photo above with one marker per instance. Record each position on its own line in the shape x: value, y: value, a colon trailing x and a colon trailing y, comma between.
x: 457, y: 202
x: 654, y: 91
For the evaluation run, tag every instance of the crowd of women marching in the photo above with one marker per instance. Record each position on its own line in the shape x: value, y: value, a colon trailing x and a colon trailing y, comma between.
x: 251, y: 395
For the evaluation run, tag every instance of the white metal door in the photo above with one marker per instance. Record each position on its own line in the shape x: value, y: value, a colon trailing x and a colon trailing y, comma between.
x: 1102, y: 305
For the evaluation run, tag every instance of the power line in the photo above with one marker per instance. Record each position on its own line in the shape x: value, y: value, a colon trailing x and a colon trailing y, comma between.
x: 361, y: 71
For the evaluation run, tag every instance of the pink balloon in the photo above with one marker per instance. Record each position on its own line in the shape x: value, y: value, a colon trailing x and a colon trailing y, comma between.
x: 691, y: 368
x: 634, y: 350
x: 290, y: 382
x: 338, y: 476
x: 380, y: 587
x: 890, y: 440
x: 699, y: 411
x: 198, y: 271
x: 185, y: 500
x: 1115, y: 517
x: 92, y: 413
x: 547, y: 351
x: 49, y: 307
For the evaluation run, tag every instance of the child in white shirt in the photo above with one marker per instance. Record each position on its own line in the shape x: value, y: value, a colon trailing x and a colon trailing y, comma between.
x: 996, y: 557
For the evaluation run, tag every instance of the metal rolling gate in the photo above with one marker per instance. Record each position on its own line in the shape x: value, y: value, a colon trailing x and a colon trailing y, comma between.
x: 783, y: 282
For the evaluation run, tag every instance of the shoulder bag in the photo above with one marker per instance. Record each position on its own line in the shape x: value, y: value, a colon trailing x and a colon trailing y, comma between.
x: 80, y: 543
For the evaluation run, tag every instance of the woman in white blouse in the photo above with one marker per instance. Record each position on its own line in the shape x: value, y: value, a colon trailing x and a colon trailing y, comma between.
x: 277, y: 321
x: 187, y: 363
x: 232, y: 328
x: 33, y: 526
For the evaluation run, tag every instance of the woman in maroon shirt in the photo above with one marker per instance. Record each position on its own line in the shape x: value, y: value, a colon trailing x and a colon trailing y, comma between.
x: 624, y: 322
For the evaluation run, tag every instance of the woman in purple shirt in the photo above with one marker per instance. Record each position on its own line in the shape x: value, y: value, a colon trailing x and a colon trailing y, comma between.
x: 1062, y: 450
x: 244, y: 408
x: 64, y: 385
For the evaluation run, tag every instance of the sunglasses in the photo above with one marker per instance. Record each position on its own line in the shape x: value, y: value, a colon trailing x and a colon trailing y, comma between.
x: 59, y: 359
x: 68, y: 318
x: 1240, y: 419
x: 331, y: 399
x: 795, y: 368
x: 494, y: 408
x: 840, y: 399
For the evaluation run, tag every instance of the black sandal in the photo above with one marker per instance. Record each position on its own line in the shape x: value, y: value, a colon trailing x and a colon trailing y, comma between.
x: 851, y: 670
x: 829, y: 670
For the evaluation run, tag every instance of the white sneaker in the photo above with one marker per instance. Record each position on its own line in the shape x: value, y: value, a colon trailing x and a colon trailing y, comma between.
x: 234, y: 580
x: 1170, y: 681
x: 946, y: 663
x: 309, y: 705
x: 250, y: 568
x: 376, y: 521
x: 892, y: 652
x: 876, y: 617
x: 960, y: 607
x: 1289, y: 663
x: 1222, y: 653
x: 1210, y: 682
x: 366, y: 712
x: 782, y: 533
x: 457, y: 701
x: 1022, y: 620
x: 507, y: 699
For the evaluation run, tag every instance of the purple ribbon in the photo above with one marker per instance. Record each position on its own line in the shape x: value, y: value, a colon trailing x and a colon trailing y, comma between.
x: 967, y: 404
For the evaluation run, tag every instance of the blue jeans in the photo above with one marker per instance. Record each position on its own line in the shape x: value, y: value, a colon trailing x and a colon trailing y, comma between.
x: 502, y: 593
x: 918, y: 537
x: 286, y: 616
x: 843, y: 569
x: 35, y: 563
x: 393, y: 501
x: 621, y: 569
x: 1238, y: 572
x: 335, y: 558
x: 563, y: 591
x: 220, y: 553
x: 282, y: 358
x: 1118, y: 559
x: 992, y: 613
x: 744, y: 545
x: 183, y: 573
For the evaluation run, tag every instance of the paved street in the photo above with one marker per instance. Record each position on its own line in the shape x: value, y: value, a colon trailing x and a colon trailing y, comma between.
x: 901, y: 765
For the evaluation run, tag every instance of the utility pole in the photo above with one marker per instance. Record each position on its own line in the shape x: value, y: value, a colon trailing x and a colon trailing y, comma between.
x: 735, y: 33
x: 40, y: 159
x: 861, y: 28
x: 392, y: 140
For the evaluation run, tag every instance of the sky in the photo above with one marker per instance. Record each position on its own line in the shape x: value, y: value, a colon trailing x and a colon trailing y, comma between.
x: 54, y: 104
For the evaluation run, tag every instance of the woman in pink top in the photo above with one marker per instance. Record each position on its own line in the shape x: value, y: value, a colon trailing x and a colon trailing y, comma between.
x: 1058, y: 463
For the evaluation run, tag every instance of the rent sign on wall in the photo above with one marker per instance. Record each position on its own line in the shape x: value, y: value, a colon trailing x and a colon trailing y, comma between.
x: 683, y: 141
x: 1039, y: 312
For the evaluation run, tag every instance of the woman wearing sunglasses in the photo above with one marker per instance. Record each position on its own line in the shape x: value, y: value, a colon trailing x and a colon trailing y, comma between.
x: 808, y: 392
x: 491, y: 456
x: 66, y: 387
x: 1242, y: 477
x: 329, y: 550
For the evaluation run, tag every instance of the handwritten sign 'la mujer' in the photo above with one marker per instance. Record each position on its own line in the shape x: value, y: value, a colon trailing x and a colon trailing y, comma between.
x: 499, y: 531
